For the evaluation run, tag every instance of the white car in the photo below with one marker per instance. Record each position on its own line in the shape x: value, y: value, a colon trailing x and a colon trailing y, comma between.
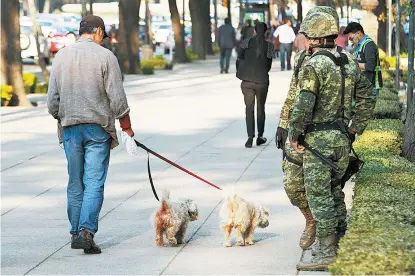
x: 162, y: 33
x: 28, y: 45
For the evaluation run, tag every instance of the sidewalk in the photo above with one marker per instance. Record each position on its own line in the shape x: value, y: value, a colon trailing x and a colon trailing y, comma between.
x: 194, y: 117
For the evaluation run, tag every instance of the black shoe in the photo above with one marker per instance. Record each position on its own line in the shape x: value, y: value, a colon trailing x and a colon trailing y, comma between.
x: 260, y: 141
x: 85, y: 240
x: 226, y: 71
x: 248, y: 143
x: 73, y: 238
x: 95, y: 249
x: 221, y: 71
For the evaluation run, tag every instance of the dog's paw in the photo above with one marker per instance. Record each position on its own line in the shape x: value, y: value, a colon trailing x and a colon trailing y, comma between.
x: 172, y: 241
x: 240, y: 243
x: 227, y: 244
x: 250, y: 242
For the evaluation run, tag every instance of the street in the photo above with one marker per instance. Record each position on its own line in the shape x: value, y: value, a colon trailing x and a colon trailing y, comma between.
x: 193, y: 116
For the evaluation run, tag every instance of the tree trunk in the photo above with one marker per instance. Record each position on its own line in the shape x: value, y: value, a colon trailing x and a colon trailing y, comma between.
x: 10, y: 31
x: 46, y: 7
x: 4, y: 71
x: 409, y: 135
x: 300, y: 10
x: 208, y: 28
x: 129, y: 42
x: 36, y: 29
x: 341, y: 4
x: 180, y: 53
x: 198, y: 35
x: 229, y: 12
x: 215, y: 5
x: 91, y: 3
x: 382, y: 34
x: 84, y: 10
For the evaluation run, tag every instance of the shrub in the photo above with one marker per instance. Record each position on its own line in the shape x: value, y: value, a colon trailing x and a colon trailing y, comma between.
x: 147, y: 67
x: 42, y: 88
x: 169, y: 66
x: 6, y: 92
x: 30, y: 81
x: 216, y: 49
x: 379, y: 142
x: 381, y: 235
x: 387, y: 109
x: 387, y: 125
x: 388, y: 62
x: 156, y: 63
x: 388, y: 94
x: 191, y: 55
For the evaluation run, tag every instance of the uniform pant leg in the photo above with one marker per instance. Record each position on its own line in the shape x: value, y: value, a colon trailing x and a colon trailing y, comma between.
x: 294, y: 178
x: 324, y: 202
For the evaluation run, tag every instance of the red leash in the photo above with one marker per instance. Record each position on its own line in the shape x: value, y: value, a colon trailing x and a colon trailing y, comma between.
x: 171, y: 163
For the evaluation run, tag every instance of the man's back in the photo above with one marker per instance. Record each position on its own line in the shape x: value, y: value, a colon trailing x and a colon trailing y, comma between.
x: 87, y: 79
x: 227, y: 36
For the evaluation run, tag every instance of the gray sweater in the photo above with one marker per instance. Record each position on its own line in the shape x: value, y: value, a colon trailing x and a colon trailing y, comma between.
x: 86, y: 87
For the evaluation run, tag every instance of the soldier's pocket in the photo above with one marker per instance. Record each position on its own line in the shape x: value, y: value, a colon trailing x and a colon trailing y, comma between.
x: 340, y: 152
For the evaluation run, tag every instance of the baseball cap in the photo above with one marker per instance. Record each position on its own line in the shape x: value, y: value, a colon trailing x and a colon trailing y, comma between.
x: 94, y: 22
x: 353, y: 27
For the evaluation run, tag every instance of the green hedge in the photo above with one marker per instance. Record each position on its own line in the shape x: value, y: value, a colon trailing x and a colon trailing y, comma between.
x: 387, y: 109
x: 381, y: 235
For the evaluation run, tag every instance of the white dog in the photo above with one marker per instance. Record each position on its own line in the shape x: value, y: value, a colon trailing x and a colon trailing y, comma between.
x: 242, y: 215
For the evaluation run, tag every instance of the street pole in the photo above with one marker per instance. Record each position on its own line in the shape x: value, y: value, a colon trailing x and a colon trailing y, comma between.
x: 410, y: 87
x: 397, y: 43
x: 390, y: 28
x: 215, y: 7
x: 183, y: 16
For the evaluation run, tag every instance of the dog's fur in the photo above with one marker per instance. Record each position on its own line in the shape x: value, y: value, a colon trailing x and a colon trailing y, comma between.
x: 242, y: 215
x: 173, y: 218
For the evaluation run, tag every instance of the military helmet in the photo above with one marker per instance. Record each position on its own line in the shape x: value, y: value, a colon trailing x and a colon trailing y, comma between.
x: 319, y: 24
x: 324, y: 9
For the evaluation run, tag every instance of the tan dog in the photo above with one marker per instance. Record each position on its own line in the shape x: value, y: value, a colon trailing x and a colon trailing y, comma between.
x: 242, y: 215
x: 172, y: 218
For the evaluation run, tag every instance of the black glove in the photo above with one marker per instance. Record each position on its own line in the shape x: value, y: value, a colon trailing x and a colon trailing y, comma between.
x: 280, y: 137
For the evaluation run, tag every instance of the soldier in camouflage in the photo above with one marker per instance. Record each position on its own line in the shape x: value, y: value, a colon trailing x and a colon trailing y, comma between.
x: 321, y: 116
x: 292, y: 164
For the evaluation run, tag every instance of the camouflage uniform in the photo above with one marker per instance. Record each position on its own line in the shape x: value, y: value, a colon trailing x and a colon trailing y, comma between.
x: 318, y: 102
x: 292, y: 165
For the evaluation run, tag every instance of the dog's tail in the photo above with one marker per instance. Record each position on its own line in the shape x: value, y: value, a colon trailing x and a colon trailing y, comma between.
x: 164, y: 200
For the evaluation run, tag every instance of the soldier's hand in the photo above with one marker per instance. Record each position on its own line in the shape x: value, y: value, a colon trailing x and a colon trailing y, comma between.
x: 297, y: 147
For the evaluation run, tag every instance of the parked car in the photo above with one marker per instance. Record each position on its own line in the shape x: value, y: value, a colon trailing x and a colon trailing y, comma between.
x: 162, y: 33
x: 28, y: 44
x: 62, y: 36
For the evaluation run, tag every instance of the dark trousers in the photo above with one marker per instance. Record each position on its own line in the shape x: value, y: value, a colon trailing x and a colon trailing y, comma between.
x: 250, y: 91
x: 225, y: 56
x: 286, y: 50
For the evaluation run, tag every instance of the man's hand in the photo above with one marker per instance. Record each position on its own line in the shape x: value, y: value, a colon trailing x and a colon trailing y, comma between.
x: 362, y: 65
x: 129, y: 131
x: 297, y: 147
x: 352, y: 135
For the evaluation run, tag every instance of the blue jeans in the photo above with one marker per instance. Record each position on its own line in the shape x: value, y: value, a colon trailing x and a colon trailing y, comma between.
x: 87, y: 150
x: 225, y: 58
x: 286, y: 50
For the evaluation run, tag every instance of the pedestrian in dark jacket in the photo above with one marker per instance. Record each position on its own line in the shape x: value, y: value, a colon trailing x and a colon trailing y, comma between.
x: 254, y: 62
x: 227, y: 41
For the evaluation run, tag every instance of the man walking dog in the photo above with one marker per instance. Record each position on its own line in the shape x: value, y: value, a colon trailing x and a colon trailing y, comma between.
x: 85, y: 96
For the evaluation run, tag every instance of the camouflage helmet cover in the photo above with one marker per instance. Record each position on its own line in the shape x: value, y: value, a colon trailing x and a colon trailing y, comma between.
x: 319, y: 24
x: 324, y: 9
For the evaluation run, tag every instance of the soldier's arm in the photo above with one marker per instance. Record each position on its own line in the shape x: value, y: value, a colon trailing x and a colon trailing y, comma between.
x: 303, y: 108
x: 292, y: 94
x: 365, y: 98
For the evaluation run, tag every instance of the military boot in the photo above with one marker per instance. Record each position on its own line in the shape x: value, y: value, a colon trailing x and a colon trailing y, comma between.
x: 309, y: 234
x: 325, y: 255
